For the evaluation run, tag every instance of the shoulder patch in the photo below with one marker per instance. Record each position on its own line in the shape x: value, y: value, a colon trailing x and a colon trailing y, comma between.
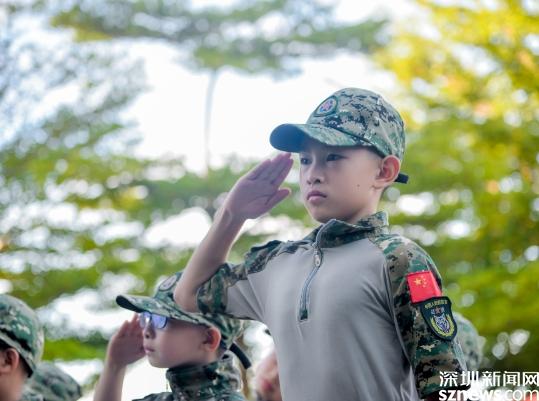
x: 422, y: 286
x: 438, y: 316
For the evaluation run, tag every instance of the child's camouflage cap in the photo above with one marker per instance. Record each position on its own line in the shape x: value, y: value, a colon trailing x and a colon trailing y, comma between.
x: 20, y: 329
x: 349, y: 117
x: 162, y: 303
x: 52, y: 384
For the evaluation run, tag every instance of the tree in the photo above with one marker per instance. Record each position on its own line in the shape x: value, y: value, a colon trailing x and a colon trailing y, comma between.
x: 468, y: 88
x: 74, y: 204
x: 61, y: 166
x: 249, y: 36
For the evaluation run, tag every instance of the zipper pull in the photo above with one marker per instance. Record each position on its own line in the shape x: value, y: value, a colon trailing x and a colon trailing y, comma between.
x: 317, y: 257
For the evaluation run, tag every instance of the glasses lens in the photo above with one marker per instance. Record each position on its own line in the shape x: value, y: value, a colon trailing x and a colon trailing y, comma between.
x: 159, y: 321
x: 144, y: 319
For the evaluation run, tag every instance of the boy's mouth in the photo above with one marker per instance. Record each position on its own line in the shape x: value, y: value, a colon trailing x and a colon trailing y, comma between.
x: 148, y: 350
x: 315, y: 195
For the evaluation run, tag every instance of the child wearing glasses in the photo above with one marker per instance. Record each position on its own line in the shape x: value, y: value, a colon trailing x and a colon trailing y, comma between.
x: 192, y: 346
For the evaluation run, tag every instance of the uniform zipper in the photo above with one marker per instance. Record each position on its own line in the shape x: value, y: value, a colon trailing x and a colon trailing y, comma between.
x: 306, y: 290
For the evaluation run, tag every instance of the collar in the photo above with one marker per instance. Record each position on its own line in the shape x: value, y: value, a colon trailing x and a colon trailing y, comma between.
x: 337, y: 232
x: 204, y: 382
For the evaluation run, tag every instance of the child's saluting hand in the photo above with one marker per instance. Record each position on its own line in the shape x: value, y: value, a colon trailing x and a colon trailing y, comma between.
x: 258, y: 191
x: 125, y: 347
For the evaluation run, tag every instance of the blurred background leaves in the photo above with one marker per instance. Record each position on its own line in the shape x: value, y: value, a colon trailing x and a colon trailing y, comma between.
x: 77, y: 208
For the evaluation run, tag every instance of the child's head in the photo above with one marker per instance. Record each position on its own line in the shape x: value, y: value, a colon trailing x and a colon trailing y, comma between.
x: 350, y: 150
x: 173, y: 337
x: 21, y: 345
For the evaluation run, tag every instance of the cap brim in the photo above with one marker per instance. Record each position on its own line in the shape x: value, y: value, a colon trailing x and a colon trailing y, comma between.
x: 289, y: 137
x: 149, y: 304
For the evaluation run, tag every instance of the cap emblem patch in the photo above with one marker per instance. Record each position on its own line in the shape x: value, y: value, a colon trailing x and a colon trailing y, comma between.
x: 328, y: 106
x: 168, y: 283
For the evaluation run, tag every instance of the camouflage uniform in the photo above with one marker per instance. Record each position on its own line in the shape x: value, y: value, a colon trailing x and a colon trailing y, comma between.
x: 217, y: 381
x: 52, y: 384
x: 470, y: 342
x: 355, y: 311
x: 20, y: 329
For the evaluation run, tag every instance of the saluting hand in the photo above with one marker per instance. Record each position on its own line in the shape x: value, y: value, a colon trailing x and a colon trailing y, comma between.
x: 258, y: 191
x: 125, y: 347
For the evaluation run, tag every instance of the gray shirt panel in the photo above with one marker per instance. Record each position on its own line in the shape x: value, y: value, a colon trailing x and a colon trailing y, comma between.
x: 348, y: 348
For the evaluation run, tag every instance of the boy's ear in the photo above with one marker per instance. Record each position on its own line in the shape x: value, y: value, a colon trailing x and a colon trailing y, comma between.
x: 213, y: 339
x: 389, y: 170
x: 9, y: 360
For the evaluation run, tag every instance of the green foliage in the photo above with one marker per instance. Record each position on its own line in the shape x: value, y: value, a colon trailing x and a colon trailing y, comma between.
x: 469, y: 92
x: 75, y: 206
x: 249, y: 36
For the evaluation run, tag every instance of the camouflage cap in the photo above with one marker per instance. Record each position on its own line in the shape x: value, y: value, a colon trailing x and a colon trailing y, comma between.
x: 469, y: 342
x: 162, y: 303
x: 20, y: 329
x: 349, y: 117
x: 52, y: 384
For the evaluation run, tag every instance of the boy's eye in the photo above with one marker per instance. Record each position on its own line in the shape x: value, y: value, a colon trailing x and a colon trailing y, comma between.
x: 333, y: 156
x: 304, y: 160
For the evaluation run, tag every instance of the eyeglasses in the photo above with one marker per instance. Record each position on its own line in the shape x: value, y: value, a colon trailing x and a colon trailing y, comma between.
x: 157, y: 321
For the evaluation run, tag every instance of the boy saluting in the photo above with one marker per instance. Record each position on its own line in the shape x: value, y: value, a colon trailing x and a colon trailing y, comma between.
x: 193, y: 347
x: 356, y: 313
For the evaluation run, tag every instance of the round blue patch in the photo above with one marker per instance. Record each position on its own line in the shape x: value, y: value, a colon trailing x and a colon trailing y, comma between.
x: 328, y: 106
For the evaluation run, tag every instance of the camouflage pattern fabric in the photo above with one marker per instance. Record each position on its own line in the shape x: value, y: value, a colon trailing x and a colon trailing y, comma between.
x: 52, y: 383
x: 349, y: 117
x: 30, y: 396
x: 162, y: 303
x: 217, y: 381
x: 20, y: 329
x: 469, y: 341
x: 429, y: 355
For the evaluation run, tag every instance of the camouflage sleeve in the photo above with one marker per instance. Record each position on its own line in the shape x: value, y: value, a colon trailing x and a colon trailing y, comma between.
x: 157, y: 397
x: 426, y: 327
x: 28, y: 395
x: 230, y: 291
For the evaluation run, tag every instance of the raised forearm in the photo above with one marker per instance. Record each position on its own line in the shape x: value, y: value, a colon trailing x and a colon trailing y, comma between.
x: 109, y: 386
x: 210, y: 253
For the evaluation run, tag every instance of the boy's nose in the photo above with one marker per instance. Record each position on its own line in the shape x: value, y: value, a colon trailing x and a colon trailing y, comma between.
x: 148, y: 331
x: 314, y: 175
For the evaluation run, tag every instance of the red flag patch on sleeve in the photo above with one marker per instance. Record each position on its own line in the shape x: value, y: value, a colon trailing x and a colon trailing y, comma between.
x: 422, y: 286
